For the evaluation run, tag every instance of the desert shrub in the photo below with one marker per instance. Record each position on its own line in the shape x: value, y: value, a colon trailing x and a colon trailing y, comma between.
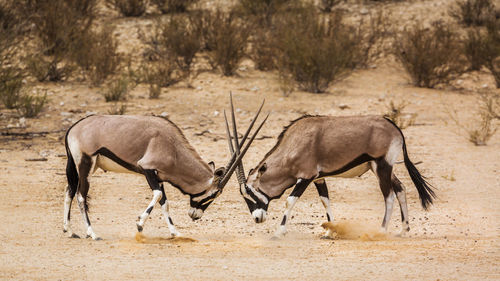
x: 430, y: 56
x: 59, y: 25
x: 97, y: 55
x: 10, y: 87
x: 118, y: 109
x: 161, y: 73
x: 154, y: 91
x: 326, y: 6
x: 117, y: 90
x: 262, y: 10
x: 474, y: 47
x: 174, y: 6
x: 226, y: 39
x: 129, y: 8
x: 30, y: 105
x: 472, y: 12
x: 482, y: 127
x: 316, y: 51
x: 395, y: 112
x: 263, y: 51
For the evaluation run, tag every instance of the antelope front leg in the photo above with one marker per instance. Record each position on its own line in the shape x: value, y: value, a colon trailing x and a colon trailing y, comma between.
x: 325, y: 199
x: 164, y: 209
x: 153, y: 182
x: 297, y: 191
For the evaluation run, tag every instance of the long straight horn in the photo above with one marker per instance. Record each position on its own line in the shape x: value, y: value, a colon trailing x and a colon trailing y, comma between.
x: 240, y: 156
x: 240, y: 171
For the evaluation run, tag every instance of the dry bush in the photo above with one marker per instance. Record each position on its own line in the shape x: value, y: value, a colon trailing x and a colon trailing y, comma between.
x: 326, y: 6
x: 129, y: 8
x: 262, y: 11
x: 263, y: 51
x: 174, y: 6
x: 117, y: 90
x: 154, y: 91
x: 10, y: 87
x: 161, y: 73
x: 226, y: 39
x: 118, y: 109
x: 30, y: 105
x: 316, y: 51
x: 396, y: 114
x: 60, y: 25
x: 480, y: 129
x: 473, y: 12
x: 430, y: 56
x: 97, y: 55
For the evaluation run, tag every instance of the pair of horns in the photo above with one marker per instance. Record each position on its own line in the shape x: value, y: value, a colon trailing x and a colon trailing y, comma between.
x: 237, y: 155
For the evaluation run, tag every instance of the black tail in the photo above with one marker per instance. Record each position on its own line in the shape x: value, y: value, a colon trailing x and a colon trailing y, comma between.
x: 424, y: 189
x: 71, y: 172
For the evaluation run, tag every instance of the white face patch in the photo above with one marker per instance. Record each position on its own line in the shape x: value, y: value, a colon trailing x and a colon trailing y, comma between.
x: 259, y: 215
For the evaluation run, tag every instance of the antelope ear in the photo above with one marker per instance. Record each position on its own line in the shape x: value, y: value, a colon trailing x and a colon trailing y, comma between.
x: 220, y: 172
x: 212, y: 165
x: 262, y: 169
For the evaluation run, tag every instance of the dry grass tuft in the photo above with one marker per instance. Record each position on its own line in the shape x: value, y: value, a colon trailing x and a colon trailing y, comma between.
x: 396, y: 114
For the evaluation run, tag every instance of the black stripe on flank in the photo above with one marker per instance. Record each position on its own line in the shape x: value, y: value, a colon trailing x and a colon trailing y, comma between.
x: 108, y: 154
x: 354, y: 163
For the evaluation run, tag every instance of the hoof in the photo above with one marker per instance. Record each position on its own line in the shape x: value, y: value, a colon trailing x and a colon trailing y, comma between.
x: 73, y: 235
x: 139, y: 228
x: 98, y: 239
x: 326, y: 237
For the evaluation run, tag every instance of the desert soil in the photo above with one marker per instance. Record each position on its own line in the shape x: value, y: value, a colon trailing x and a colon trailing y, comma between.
x: 457, y: 239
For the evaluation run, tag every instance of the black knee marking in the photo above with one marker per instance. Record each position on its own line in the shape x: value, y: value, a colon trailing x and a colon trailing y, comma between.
x: 152, y: 179
x: 328, y: 217
x: 283, y: 221
x: 384, y: 173
x: 148, y: 210
x: 170, y: 220
x: 163, y: 195
x: 322, y: 188
x: 300, y: 187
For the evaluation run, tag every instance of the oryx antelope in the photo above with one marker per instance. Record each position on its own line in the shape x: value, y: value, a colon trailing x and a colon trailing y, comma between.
x: 146, y: 145
x: 314, y: 147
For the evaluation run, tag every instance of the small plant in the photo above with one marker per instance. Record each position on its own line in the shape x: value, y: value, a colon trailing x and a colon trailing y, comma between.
x: 174, y: 6
x: 227, y: 41
x: 482, y: 127
x: 117, y: 90
x: 154, y: 91
x: 263, y: 51
x: 118, y: 109
x: 316, y: 52
x: 396, y: 114
x: 263, y: 10
x: 30, y: 106
x: 10, y: 87
x: 286, y: 83
x: 326, y: 6
x: 430, y: 56
x: 162, y: 73
x: 472, y: 12
x: 129, y: 8
x: 474, y: 49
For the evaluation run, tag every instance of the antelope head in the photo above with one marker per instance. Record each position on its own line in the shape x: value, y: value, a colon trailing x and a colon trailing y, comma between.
x: 257, y: 201
x: 199, y: 202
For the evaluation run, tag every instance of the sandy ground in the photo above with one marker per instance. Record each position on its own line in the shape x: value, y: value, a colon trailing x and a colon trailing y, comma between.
x: 457, y: 239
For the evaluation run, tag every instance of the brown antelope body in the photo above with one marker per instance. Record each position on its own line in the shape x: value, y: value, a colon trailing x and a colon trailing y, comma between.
x: 314, y: 147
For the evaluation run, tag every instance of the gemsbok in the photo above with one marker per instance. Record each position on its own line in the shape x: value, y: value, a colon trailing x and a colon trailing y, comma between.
x: 145, y: 145
x: 314, y: 147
